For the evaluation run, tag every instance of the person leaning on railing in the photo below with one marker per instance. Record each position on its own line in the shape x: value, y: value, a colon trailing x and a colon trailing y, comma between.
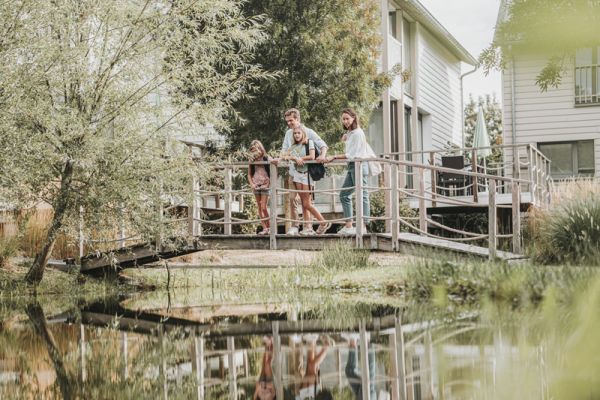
x: 356, y: 146
x: 292, y: 118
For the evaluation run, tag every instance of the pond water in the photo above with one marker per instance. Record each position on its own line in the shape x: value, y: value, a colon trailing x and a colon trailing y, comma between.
x: 183, y: 345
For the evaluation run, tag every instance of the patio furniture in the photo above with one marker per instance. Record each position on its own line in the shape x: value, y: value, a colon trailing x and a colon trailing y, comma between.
x: 453, y: 184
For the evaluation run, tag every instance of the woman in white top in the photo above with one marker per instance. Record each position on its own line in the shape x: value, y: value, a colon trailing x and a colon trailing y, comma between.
x: 355, y: 147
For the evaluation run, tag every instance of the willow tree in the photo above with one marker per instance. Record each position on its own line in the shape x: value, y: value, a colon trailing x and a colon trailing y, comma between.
x: 325, y: 52
x: 90, y: 92
x: 556, y: 28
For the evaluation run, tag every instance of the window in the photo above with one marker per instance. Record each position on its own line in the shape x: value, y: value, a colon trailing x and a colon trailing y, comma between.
x: 406, y: 53
x: 587, y: 76
x: 392, y: 22
x: 394, y: 143
x: 570, y: 158
x: 408, y: 146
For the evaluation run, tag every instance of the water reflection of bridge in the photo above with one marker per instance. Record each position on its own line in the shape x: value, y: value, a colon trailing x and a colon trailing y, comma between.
x: 221, y: 354
x: 430, y: 190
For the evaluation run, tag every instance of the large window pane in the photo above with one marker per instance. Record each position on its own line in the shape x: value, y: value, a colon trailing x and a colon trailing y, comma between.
x: 406, y: 52
x: 561, y: 155
x: 392, y: 24
x: 585, y: 157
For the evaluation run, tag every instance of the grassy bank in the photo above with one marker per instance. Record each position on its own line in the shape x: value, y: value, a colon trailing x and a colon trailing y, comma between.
x: 55, y: 284
x: 339, y: 268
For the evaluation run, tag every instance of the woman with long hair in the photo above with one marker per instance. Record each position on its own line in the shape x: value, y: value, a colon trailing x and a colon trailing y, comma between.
x: 356, y: 146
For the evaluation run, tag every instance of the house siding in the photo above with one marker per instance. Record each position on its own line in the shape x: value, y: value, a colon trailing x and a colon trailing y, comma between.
x: 546, y: 116
x: 439, y: 91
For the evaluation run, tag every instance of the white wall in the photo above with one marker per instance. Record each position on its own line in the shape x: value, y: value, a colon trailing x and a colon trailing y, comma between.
x: 439, y: 91
x: 546, y: 116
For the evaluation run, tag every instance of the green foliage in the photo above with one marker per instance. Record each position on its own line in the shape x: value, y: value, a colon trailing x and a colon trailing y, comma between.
x: 568, y: 233
x: 8, y: 248
x: 324, y: 52
x: 552, y: 28
x: 89, y: 102
x: 342, y: 256
x: 492, y: 112
x: 378, y: 210
x: 475, y: 280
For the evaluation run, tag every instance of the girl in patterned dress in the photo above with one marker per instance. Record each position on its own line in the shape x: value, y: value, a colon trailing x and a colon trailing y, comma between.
x: 260, y: 182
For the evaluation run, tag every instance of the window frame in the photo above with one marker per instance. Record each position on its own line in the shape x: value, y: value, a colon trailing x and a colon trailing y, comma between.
x: 594, y: 98
x: 576, y: 168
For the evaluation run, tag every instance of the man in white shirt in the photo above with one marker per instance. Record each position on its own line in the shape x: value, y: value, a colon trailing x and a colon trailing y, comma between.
x: 292, y: 119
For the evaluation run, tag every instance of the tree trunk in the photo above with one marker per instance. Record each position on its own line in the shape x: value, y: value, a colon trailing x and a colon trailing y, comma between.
x: 36, y: 272
x: 36, y: 316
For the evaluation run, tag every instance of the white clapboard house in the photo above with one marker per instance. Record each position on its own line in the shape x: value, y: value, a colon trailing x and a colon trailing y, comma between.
x: 562, y: 122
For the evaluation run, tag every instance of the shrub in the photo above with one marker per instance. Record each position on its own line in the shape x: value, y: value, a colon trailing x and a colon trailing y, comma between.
x: 8, y: 248
x: 378, y: 210
x: 568, y: 233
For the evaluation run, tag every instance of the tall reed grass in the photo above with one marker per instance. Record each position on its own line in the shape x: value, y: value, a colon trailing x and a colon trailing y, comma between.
x: 474, y: 280
x: 569, y: 232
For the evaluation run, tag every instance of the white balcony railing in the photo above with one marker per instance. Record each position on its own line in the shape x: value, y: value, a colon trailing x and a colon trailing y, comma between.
x: 587, y: 84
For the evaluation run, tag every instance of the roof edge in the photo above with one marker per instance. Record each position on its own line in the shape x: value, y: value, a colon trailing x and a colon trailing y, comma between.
x: 423, y: 16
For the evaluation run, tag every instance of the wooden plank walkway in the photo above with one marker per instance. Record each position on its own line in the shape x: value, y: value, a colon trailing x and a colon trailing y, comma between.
x: 407, y: 243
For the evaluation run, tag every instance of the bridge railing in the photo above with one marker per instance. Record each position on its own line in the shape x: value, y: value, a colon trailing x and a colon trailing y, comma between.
x: 518, y: 161
x: 421, y: 196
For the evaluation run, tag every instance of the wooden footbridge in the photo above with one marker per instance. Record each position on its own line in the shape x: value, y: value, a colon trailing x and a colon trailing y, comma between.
x: 501, y: 191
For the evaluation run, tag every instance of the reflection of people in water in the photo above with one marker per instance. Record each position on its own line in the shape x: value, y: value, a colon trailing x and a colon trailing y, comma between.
x: 265, y: 388
x: 354, y: 374
x: 310, y: 388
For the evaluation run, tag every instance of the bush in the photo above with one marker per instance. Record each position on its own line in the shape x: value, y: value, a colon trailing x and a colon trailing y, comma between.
x: 8, y: 248
x: 569, y: 233
x: 378, y: 210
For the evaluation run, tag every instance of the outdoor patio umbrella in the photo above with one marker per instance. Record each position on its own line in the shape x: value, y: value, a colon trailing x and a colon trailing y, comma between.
x: 481, y: 139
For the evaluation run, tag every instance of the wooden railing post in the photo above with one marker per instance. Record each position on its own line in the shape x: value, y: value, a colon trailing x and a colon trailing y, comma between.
x: 122, y: 228
x: 193, y: 209
x: 227, y: 202
x: 475, y: 187
x: 161, y: 214
x: 273, y: 207
x: 422, y: 204
x: 433, y: 179
x: 81, y: 235
x: 198, y: 365
x: 399, y: 363
x: 492, y: 219
x: 82, y: 354
x: 517, y: 163
x: 394, y: 206
x: 549, y: 181
x: 530, y: 161
x: 364, y: 360
x: 277, y: 360
x: 516, y: 218
x: 331, y: 196
x: 232, y: 367
x: 359, y: 203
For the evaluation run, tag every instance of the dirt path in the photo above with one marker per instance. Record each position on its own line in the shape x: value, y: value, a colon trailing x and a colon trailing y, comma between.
x: 274, y: 257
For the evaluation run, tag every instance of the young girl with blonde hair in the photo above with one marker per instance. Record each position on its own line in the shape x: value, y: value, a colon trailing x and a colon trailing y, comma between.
x: 299, y: 172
